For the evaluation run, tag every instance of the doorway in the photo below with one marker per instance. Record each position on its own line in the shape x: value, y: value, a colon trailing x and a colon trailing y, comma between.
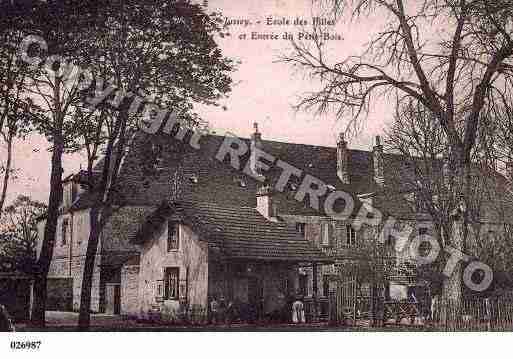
x: 256, y: 295
x: 117, y: 299
x: 113, y: 299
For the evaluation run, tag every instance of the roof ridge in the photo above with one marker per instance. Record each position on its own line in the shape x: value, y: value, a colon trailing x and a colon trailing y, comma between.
x: 291, y: 143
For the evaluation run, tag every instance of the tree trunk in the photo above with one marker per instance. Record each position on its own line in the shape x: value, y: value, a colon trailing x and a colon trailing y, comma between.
x: 84, y: 319
x: 100, y: 211
x: 45, y: 257
x: 7, y: 174
x: 452, y: 285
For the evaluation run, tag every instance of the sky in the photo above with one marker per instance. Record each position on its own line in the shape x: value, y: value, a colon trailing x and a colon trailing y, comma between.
x: 264, y: 91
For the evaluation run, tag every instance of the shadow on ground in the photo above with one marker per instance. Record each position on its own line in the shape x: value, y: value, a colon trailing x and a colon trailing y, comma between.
x: 67, y: 322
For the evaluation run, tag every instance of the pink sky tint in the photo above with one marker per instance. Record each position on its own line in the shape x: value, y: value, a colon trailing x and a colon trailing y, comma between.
x: 264, y: 92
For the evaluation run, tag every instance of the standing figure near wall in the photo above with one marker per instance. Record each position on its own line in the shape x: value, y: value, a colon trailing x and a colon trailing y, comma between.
x: 214, y: 311
x: 298, y: 311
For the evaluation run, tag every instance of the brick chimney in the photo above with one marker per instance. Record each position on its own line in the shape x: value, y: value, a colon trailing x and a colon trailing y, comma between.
x: 265, y: 203
x: 379, y: 166
x: 342, y: 160
x: 509, y: 170
x: 256, y: 143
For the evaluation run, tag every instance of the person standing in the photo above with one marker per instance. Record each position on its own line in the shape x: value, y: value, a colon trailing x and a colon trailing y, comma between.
x: 5, y: 320
x: 214, y: 311
x: 222, y: 310
x: 298, y: 312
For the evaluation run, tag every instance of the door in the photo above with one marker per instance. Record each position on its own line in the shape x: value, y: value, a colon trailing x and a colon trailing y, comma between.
x: 117, y: 299
x: 113, y: 303
x: 256, y: 296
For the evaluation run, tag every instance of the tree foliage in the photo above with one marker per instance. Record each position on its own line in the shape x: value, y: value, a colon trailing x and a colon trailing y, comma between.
x: 18, y: 231
x: 453, y: 57
x: 17, y: 110
x: 165, y: 53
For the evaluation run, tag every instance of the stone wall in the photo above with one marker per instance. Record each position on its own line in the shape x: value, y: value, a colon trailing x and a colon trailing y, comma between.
x: 59, y: 294
x: 130, y: 290
x: 69, y: 257
x: 15, y: 296
x: 63, y: 268
x: 191, y: 258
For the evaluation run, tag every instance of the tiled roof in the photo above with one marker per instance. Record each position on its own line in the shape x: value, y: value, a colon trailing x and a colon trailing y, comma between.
x: 240, y: 232
x: 215, y: 182
x: 219, y: 183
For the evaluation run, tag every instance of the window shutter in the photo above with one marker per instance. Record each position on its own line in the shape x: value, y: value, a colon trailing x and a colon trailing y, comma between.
x: 325, y: 233
x: 331, y: 232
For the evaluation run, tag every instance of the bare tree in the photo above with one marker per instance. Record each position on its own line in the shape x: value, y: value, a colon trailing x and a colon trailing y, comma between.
x: 454, y: 73
x: 425, y: 186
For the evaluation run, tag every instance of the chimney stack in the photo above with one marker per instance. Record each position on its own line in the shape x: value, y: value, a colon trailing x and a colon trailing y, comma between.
x: 265, y: 203
x: 379, y: 166
x: 509, y: 170
x: 256, y: 144
x: 342, y: 160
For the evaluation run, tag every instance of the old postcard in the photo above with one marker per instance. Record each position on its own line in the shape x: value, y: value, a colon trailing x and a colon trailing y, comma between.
x: 255, y: 166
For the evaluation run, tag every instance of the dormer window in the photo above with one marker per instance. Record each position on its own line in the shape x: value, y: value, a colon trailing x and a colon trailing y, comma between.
x: 173, y: 236
x: 301, y: 228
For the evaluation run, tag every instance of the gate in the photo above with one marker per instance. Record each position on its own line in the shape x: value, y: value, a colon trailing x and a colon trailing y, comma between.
x: 344, y: 301
x: 351, y: 301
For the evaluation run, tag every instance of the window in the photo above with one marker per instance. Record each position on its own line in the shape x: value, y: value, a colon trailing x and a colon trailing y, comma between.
x: 420, y: 202
x: 326, y: 286
x: 66, y: 194
x: 303, y: 280
x: 159, y: 290
x: 286, y: 286
x: 326, y: 233
x: 491, y: 236
x: 389, y: 241
x: 157, y: 154
x: 173, y: 236
x: 301, y: 227
x: 171, y: 281
x: 64, y: 233
x: 423, y: 231
x: 350, y: 235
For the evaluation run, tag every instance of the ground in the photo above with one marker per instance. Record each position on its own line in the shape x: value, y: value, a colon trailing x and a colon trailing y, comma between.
x: 67, y: 321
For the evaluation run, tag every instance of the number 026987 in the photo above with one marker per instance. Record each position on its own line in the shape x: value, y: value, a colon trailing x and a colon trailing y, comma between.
x: 25, y: 345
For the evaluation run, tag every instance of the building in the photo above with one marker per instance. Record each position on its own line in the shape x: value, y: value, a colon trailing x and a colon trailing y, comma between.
x: 194, y: 223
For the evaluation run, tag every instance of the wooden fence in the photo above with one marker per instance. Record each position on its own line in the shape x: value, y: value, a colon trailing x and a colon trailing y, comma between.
x: 476, y: 314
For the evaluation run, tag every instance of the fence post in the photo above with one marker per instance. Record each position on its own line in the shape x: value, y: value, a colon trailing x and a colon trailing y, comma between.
x: 446, y: 313
x: 355, y: 297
